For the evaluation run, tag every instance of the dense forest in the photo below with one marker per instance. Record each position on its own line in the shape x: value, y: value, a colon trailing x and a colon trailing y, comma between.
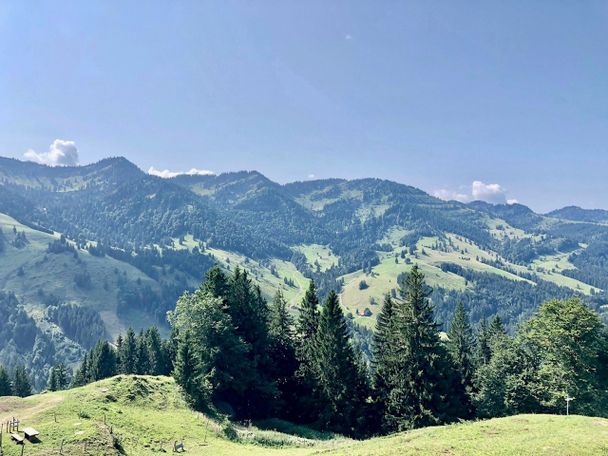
x: 234, y: 354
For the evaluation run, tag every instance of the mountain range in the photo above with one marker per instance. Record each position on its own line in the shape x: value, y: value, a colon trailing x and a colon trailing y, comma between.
x: 87, y: 251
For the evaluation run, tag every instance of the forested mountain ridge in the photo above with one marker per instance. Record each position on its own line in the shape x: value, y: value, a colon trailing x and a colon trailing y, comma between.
x: 123, y: 245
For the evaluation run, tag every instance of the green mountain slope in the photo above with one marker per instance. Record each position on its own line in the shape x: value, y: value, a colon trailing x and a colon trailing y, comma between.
x: 138, y: 416
x: 140, y: 241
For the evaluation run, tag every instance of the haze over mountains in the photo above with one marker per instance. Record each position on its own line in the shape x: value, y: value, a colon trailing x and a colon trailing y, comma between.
x: 106, y: 245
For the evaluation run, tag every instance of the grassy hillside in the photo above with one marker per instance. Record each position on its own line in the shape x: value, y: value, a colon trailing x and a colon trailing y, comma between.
x: 33, y: 274
x: 145, y: 415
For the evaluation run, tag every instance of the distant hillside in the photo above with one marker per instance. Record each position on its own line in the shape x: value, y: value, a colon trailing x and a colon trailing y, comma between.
x: 138, y: 416
x: 123, y: 245
x: 578, y: 214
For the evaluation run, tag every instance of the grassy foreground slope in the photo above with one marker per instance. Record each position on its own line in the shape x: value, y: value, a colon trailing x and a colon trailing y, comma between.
x: 145, y: 415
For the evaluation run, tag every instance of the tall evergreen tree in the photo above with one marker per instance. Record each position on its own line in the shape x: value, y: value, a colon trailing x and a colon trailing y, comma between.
x: 381, y: 350
x: 282, y: 354
x: 188, y: 372
x: 156, y: 355
x: 483, y: 351
x: 6, y: 388
x: 306, y: 331
x: 342, y: 385
x: 249, y: 313
x: 22, y: 386
x: 461, y: 345
x: 497, y: 328
x: 62, y: 376
x: 128, y: 353
x: 216, y: 282
x: 143, y: 355
x: 420, y: 379
x: 52, y: 384
x: 83, y: 374
x: 102, y: 362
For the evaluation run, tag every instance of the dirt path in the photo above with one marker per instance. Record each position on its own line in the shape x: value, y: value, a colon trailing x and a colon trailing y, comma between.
x: 23, y: 409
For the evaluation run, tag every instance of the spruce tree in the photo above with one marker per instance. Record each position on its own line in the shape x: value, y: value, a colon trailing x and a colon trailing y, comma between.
x: 420, y: 383
x: 483, y: 352
x: 342, y: 385
x: 6, y: 388
x: 128, y: 353
x: 22, y: 386
x: 156, y: 353
x: 282, y: 354
x: 102, y: 361
x: 61, y: 376
x: 216, y: 283
x: 143, y: 355
x: 460, y: 346
x: 382, y: 345
x: 306, y: 350
x: 52, y: 385
x: 188, y: 372
x: 249, y: 313
x: 82, y: 375
x: 497, y: 328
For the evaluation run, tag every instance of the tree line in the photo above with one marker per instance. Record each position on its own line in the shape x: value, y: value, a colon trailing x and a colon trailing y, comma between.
x: 231, y: 352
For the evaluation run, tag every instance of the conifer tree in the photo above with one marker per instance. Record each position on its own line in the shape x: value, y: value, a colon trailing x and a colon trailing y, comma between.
x: 460, y: 346
x: 52, y: 386
x: 22, y: 386
x: 6, y: 388
x: 307, y: 327
x: 483, y: 351
x: 216, y: 282
x: 128, y: 353
x: 82, y: 375
x: 143, y: 355
x: 306, y: 351
x: 156, y: 355
x: 249, y: 314
x: 421, y: 383
x: 497, y: 328
x: 188, y: 373
x: 61, y: 376
x: 282, y: 354
x: 381, y: 350
x: 102, y: 361
x: 341, y: 382
x: 119, y: 351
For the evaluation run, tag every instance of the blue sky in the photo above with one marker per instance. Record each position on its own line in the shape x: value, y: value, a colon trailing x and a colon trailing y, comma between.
x: 435, y: 94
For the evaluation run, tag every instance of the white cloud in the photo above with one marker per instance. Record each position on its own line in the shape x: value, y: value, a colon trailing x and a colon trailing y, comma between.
x: 167, y: 174
x: 61, y: 153
x: 480, y: 191
x: 490, y: 193
x: 311, y: 176
x: 512, y: 201
x: 348, y: 37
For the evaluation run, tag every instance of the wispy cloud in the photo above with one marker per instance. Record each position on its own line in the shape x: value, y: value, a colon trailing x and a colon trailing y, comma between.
x: 348, y: 37
x: 61, y: 153
x: 480, y: 191
x: 168, y: 174
x: 311, y: 176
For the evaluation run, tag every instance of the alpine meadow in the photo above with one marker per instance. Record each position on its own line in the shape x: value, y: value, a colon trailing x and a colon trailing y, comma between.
x: 394, y: 253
